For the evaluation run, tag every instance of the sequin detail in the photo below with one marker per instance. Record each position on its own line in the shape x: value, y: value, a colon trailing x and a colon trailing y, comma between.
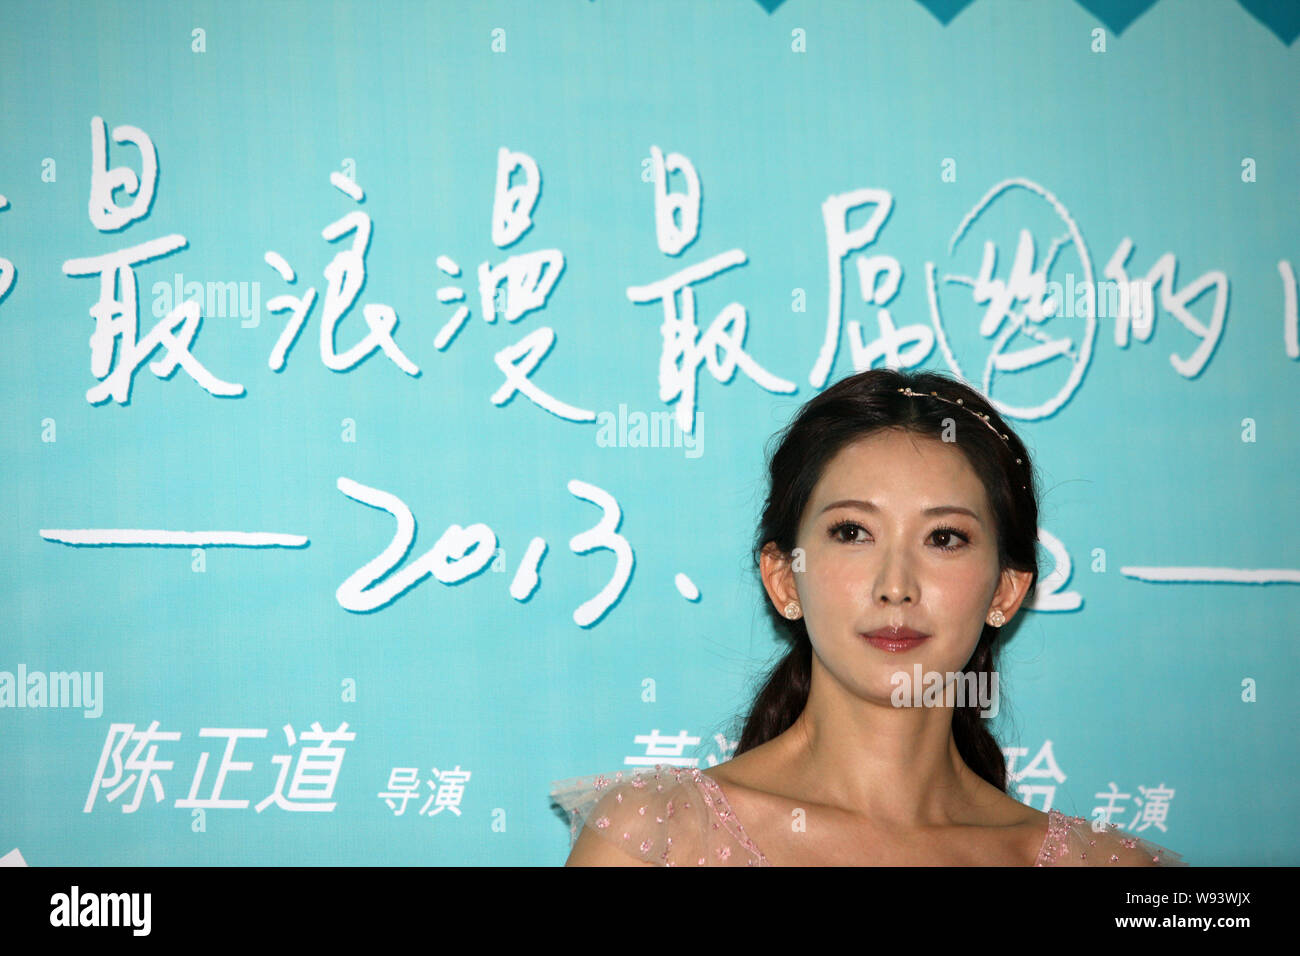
x: 1067, y: 835
x: 680, y: 816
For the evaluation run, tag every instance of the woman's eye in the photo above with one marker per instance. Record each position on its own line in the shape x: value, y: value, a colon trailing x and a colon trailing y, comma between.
x: 949, y: 534
x: 946, y: 539
x: 838, y: 531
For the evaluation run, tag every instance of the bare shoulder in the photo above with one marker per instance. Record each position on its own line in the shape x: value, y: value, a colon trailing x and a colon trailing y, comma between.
x: 1004, y: 831
x: 749, y: 787
x: 1035, y: 829
x: 759, y: 797
x: 753, y: 771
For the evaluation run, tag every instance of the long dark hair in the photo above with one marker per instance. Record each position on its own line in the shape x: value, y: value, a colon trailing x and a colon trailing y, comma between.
x: 851, y: 409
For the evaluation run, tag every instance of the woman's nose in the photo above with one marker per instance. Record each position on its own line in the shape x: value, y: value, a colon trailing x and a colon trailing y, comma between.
x: 895, y: 583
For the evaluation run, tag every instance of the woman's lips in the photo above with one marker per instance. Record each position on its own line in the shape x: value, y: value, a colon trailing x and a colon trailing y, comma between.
x: 894, y: 639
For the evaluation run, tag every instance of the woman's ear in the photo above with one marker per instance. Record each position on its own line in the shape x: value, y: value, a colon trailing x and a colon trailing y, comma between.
x: 1013, y: 587
x: 778, y: 576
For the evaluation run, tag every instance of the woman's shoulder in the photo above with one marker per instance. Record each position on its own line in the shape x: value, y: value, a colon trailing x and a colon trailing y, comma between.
x: 1075, y: 841
x: 1015, y: 831
x: 661, y: 815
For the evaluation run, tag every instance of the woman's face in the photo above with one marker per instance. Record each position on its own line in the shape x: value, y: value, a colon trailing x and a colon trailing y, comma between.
x: 877, y: 551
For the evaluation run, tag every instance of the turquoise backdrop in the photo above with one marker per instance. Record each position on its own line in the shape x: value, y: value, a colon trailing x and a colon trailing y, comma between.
x: 304, y: 559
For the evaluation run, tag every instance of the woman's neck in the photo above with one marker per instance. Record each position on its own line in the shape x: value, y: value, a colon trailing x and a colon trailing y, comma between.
x: 896, y: 766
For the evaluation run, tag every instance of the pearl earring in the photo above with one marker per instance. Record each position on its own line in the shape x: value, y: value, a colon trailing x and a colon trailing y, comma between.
x: 792, y: 610
x: 997, y: 619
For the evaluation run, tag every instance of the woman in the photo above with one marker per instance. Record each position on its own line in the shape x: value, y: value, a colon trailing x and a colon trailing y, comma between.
x: 898, y: 540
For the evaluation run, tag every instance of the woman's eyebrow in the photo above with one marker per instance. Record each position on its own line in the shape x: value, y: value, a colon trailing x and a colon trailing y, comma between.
x: 870, y: 506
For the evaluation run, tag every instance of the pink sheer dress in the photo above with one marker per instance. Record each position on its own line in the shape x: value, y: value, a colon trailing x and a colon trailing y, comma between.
x: 674, y: 816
